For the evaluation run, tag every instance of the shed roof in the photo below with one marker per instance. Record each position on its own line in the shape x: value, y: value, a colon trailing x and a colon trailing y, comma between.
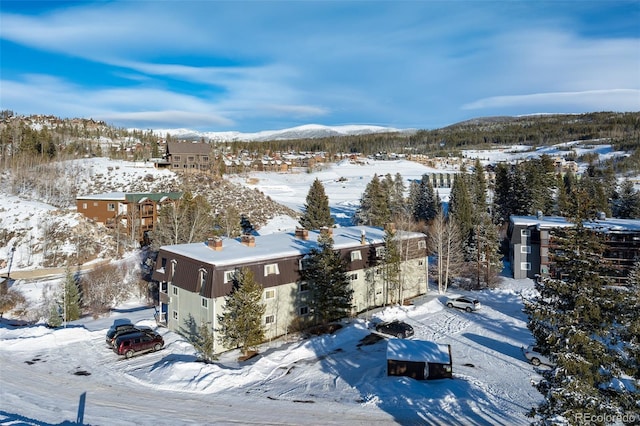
x: 418, y: 351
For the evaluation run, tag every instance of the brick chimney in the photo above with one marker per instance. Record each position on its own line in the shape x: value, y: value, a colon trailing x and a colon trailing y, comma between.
x: 214, y: 243
x: 325, y: 230
x: 363, y: 237
x: 248, y: 240
x: 302, y: 233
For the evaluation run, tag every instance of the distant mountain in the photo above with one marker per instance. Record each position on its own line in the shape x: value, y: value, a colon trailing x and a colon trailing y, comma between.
x: 308, y: 131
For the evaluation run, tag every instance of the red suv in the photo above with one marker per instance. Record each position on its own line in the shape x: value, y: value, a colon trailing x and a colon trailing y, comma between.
x: 130, y: 344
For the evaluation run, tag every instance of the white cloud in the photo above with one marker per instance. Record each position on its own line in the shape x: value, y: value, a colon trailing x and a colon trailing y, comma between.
x: 596, y: 100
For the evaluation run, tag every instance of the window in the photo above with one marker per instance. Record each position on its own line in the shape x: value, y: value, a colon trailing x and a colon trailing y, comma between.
x: 525, y: 232
x: 420, y: 262
x: 204, y: 302
x: 95, y: 204
x: 111, y: 207
x: 356, y: 255
x: 269, y: 319
x: 191, y: 159
x: 525, y: 266
x: 175, y: 315
x: 175, y: 291
x: 303, y: 287
x: 271, y: 269
x: 422, y: 244
x: 379, y: 252
x: 270, y: 293
x: 525, y: 249
x: 205, y: 158
x: 176, y: 158
x: 84, y: 206
x: 353, y: 276
x: 228, y: 276
x: 176, y: 166
x: 304, y: 310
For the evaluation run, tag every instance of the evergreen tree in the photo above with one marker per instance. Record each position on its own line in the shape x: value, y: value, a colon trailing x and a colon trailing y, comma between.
x: 325, y: 274
x: 581, y: 322
x: 397, y: 204
x: 478, y: 188
x: 460, y: 207
x: 540, y: 184
x: 374, y: 205
x: 425, y: 205
x: 627, y: 203
x: 316, y: 209
x: 523, y: 202
x: 391, y: 262
x: 484, y: 252
x: 241, y: 321
x: 504, y: 194
x: 203, y: 343
x: 71, y: 297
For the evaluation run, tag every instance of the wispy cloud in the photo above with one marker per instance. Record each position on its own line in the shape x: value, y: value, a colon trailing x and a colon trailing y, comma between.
x: 252, y: 65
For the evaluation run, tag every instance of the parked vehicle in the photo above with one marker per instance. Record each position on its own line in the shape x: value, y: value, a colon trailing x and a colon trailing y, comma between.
x: 118, y: 328
x: 396, y: 328
x: 532, y: 353
x: 133, y: 343
x: 128, y: 330
x: 467, y: 303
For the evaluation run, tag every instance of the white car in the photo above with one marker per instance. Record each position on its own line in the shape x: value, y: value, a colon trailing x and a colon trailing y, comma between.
x: 532, y: 353
x: 467, y: 303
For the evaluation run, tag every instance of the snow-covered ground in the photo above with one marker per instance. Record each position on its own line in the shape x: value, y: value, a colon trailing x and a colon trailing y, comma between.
x: 69, y: 376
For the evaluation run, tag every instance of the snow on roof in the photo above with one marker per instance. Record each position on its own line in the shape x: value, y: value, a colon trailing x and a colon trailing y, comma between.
x: 279, y: 245
x: 111, y: 196
x: 602, y: 225
x: 418, y: 351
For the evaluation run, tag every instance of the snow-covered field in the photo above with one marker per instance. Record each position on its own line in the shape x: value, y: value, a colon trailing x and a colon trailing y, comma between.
x: 69, y: 376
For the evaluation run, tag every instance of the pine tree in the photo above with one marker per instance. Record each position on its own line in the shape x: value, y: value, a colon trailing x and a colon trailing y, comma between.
x: 241, y: 321
x: 316, y: 209
x: 503, y: 199
x: 627, y: 203
x: 478, y: 188
x: 425, y: 206
x: 391, y: 266
x: 460, y: 207
x: 580, y: 320
x: 203, y: 343
x: 325, y: 274
x: 71, y: 297
x: 374, y: 205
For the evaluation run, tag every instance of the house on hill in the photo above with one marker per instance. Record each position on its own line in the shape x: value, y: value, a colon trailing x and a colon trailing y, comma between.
x: 194, y: 279
x: 187, y: 156
x: 531, y: 242
x: 136, y: 213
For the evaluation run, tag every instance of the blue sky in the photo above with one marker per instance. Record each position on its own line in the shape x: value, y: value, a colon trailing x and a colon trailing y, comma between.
x: 261, y: 65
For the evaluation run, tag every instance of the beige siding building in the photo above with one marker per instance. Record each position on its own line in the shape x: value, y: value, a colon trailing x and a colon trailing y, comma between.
x: 194, y: 278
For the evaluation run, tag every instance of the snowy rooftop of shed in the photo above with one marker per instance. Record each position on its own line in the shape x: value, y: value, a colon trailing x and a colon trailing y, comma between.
x: 278, y: 245
x: 418, y: 351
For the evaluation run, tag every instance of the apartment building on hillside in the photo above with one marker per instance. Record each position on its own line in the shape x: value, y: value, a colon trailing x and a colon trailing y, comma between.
x: 531, y: 243
x: 194, y: 278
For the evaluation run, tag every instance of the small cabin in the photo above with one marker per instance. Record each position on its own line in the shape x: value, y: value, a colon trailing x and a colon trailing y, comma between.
x: 419, y: 359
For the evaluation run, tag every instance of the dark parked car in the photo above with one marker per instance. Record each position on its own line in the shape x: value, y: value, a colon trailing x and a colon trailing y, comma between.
x: 127, y: 330
x: 396, y: 328
x: 117, y: 328
x: 130, y: 344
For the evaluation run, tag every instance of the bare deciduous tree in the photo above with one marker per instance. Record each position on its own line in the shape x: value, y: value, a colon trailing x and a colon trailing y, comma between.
x: 102, y: 288
x: 445, y: 242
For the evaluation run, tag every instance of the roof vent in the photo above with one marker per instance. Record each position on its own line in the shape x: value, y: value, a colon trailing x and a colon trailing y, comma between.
x: 539, y: 214
x: 602, y: 216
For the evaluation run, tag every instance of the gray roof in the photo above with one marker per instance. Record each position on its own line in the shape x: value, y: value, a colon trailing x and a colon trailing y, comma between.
x: 279, y: 245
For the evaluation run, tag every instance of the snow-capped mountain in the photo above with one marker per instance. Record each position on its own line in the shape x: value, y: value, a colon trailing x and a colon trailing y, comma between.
x: 300, y: 132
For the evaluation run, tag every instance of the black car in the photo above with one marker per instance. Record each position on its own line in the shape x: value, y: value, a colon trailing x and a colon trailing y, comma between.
x: 395, y: 328
x: 128, y: 330
x: 117, y: 328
